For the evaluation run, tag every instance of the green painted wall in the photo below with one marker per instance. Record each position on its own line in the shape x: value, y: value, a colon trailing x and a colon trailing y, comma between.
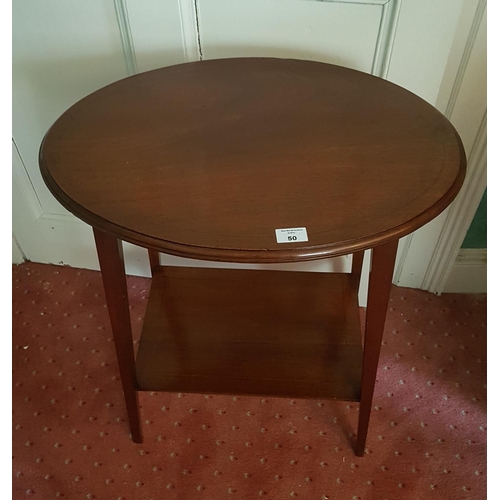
x: 476, y: 235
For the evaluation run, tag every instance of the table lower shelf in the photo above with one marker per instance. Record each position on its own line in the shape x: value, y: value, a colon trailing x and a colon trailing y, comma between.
x: 273, y: 333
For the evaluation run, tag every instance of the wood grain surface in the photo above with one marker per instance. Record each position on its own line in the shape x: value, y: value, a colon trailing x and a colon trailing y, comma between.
x: 110, y: 251
x: 251, y: 332
x: 207, y: 159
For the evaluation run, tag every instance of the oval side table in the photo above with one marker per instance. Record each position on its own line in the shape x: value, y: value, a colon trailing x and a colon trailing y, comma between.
x: 252, y: 160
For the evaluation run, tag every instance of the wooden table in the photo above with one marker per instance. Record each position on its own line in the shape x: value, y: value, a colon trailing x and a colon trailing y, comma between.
x: 207, y: 160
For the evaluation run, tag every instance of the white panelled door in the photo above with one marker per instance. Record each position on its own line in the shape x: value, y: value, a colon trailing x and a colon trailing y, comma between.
x: 63, y: 50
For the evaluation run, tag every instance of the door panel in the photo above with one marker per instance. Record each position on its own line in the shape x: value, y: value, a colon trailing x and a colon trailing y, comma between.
x: 157, y: 33
x: 61, y: 51
x: 331, y: 32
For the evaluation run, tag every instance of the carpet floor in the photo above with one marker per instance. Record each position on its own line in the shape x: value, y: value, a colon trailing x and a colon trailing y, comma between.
x: 427, y: 437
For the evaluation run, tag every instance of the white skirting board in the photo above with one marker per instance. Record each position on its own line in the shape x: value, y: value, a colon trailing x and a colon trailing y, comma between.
x: 17, y: 254
x: 469, y: 273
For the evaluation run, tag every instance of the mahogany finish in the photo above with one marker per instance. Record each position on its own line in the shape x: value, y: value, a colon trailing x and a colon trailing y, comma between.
x: 383, y: 259
x: 206, y: 160
x: 357, y: 266
x: 110, y: 252
x: 154, y: 261
x: 251, y: 332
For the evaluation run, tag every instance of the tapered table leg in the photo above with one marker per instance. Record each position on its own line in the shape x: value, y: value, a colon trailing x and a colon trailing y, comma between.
x: 357, y: 265
x: 154, y: 261
x: 379, y: 287
x: 110, y: 253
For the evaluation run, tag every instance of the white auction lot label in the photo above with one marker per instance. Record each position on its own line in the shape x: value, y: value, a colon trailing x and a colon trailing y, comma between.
x: 291, y: 235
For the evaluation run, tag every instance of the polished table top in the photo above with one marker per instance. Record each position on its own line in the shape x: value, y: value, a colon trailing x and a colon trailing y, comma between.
x: 208, y: 159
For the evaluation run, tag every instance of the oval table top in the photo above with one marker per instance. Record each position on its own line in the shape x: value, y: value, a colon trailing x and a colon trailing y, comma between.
x: 207, y: 159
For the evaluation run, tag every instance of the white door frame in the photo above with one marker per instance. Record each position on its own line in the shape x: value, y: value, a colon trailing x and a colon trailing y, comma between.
x: 463, y: 89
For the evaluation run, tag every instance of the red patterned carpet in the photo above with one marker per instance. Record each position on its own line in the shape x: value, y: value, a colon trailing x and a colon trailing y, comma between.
x: 427, y: 436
